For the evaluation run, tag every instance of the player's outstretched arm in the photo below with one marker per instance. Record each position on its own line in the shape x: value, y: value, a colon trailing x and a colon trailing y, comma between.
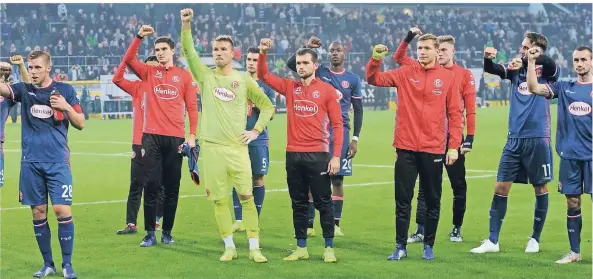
x: 400, y: 56
x: 373, y: 74
x: 23, y: 73
x: 138, y: 68
x: 124, y: 84
x: 277, y: 83
x: 491, y: 67
x: 261, y: 101
x: 532, y: 84
x: 197, y: 68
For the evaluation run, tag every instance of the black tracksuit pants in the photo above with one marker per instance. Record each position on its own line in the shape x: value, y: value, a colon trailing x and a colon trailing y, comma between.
x: 137, y: 180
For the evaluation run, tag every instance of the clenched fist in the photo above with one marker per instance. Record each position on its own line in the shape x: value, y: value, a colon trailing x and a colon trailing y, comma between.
x: 16, y: 60
x: 145, y: 30
x: 533, y: 53
x: 379, y: 51
x: 490, y: 53
x: 265, y: 44
x: 416, y: 31
x: 187, y: 15
x: 314, y: 42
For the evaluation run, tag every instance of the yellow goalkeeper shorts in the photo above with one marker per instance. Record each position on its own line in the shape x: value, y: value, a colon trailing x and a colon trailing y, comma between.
x: 224, y: 167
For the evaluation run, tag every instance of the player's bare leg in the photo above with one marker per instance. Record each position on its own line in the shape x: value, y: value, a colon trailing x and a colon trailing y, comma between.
x: 252, y: 227
x: 574, y: 225
x: 498, y: 210
x: 43, y: 235
x: 539, y: 217
x: 338, y: 201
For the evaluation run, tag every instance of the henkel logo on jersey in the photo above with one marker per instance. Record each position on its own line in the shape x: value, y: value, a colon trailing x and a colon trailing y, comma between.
x: 305, y: 108
x: 224, y: 94
x: 523, y: 89
x: 166, y: 91
x: 579, y: 108
x: 42, y: 111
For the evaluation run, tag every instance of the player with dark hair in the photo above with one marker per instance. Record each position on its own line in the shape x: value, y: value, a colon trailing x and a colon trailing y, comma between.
x: 527, y: 155
x: 259, y: 153
x: 171, y: 92
x: 225, y: 95
x: 573, y: 137
x: 137, y: 89
x: 423, y: 138
x: 456, y: 172
x: 311, y: 106
x: 349, y: 86
x: 48, y: 108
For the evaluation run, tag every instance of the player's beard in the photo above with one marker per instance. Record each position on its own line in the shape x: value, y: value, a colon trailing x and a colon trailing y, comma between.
x: 306, y: 75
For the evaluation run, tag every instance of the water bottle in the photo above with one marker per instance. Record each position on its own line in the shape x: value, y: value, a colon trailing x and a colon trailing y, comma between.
x: 58, y: 115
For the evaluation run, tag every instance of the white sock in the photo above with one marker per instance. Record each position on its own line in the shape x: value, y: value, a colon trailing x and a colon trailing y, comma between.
x: 253, y: 243
x: 228, y: 242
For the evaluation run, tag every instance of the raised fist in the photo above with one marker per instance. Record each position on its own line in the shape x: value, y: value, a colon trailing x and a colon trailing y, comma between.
x: 265, y: 44
x: 490, y: 53
x: 533, y: 53
x: 314, y: 42
x: 16, y: 60
x: 145, y: 30
x: 379, y: 51
x: 187, y: 15
x: 415, y: 31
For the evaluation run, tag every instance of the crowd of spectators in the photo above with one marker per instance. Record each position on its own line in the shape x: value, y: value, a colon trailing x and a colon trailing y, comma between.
x: 88, y: 40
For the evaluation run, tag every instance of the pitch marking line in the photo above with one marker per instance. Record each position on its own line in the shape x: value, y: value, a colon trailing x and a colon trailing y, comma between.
x: 267, y: 191
x: 128, y: 154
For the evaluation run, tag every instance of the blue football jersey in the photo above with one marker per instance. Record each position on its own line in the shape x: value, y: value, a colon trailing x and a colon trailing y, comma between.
x: 5, y: 106
x: 43, y: 138
x: 573, y: 134
x: 530, y: 114
x: 348, y: 86
x: 253, y: 115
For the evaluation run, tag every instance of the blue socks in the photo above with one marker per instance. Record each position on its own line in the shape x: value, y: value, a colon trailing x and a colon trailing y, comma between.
x: 574, y: 224
x: 259, y: 192
x: 66, y: 235
x: 329, y: 242
x: 302, y: 243
x: 539, y: 215
x: 237, y: 206
x: 498, y: 209
x: 43, y: 235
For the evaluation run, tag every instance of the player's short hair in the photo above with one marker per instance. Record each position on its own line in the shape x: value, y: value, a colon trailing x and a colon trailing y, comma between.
x: 585, y: 48
x: 150, y: 58
x: 305, y: 51
x: 166, y: 40
x: 253, y: 50
x: 428, y: 37
x: 225, y: 38
x: 537, y: 39
x: 446, y: 39
x: 39, y: 53
x: 5, y: 73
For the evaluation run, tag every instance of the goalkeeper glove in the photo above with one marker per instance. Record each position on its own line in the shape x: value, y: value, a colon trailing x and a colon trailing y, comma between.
x: 469, y: 140
x: 379, y: 55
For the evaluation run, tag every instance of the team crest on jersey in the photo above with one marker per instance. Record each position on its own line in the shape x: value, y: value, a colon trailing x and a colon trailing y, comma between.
x: 298, y: 90
x: 345, y: 84
x: 158, y: 74
x: 235, y: 84
x: 175, y: 78
x: 438, y: 83
x: 316, y: 94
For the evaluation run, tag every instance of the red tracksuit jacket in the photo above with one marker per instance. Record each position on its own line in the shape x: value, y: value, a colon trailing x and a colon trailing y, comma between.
x: 172, y: 92
x: 137, y: 89
x: 310, y: 110
x: 428, y: 106
x: 463, y: 78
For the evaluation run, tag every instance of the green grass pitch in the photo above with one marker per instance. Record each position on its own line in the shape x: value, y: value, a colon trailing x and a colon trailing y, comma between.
x: 101, y: 162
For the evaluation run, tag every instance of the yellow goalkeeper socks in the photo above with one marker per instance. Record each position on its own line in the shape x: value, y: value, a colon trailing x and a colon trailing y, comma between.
x: 223, y: 217
x: 250, y: 218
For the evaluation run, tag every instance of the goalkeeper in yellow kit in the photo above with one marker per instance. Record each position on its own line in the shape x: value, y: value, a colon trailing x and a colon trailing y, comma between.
x: 225, y: 93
